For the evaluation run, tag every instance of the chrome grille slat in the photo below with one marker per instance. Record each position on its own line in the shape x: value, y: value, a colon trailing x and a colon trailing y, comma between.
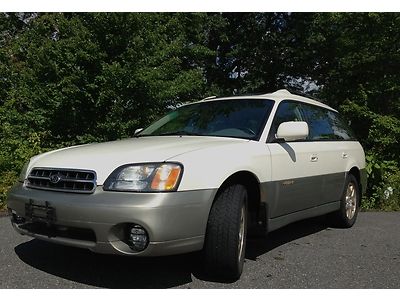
x: 64, y: 179
x: 70, y: 180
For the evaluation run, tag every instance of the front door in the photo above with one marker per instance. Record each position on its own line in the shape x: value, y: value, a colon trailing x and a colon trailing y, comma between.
x: 295, y: 166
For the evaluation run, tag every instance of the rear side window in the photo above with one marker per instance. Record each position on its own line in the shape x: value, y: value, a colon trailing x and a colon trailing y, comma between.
x: 340, y: 127
x: 318, y: 123
x: 325, y: 124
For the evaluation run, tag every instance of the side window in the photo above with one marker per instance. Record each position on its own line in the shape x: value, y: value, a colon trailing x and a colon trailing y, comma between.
x: 325, y: 124
x: 319, y: 123
x: 287, y: 111
x: 340, y: 128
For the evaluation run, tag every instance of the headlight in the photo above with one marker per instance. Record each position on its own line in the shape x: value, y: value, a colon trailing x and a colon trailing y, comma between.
x: 157, y: 177
x: 23, y: 174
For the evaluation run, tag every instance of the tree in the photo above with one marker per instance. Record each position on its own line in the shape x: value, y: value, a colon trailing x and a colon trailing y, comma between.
x: 73, y: 78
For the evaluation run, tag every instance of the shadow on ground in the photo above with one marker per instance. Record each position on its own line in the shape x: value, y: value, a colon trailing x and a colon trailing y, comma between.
x: 110, y: 271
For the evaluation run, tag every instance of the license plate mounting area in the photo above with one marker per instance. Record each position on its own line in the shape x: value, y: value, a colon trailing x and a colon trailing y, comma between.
x: 40, y: 213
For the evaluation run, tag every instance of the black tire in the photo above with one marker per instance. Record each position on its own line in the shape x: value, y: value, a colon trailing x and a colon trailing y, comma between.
x: 342, y: 218
x: 222, y: 256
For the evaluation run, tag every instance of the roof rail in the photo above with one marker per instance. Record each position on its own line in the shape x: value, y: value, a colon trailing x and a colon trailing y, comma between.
x: 208, y: 98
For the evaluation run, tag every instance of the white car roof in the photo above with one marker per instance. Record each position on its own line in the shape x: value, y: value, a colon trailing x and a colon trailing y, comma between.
x: 277, y: 96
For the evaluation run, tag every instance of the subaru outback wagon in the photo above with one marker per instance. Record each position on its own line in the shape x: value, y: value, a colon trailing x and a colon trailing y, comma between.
x: 198, y: 179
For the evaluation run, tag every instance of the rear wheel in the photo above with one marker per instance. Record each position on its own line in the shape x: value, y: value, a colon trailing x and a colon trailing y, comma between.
x: 225, y: 241
x: 346, y: 216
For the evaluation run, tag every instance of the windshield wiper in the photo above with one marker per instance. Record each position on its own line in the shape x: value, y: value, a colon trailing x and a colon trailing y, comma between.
x: 179, y: 132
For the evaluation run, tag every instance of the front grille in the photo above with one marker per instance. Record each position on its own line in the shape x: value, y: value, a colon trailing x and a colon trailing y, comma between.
x: 65, y: 180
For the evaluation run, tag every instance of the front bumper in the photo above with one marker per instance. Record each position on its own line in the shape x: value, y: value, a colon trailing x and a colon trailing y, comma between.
x: 175, y: 222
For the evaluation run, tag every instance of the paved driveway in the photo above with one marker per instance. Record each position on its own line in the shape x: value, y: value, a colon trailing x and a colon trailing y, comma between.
x: 306, y: 254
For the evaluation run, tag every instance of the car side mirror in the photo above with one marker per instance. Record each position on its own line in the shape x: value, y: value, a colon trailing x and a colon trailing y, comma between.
x: 138, y: 131
x: 292, y: 131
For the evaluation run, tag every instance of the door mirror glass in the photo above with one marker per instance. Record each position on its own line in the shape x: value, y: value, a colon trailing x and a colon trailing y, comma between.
x: 292, y: 131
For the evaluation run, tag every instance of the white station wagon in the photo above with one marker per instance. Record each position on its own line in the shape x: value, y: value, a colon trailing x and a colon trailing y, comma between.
x: 198, y: 179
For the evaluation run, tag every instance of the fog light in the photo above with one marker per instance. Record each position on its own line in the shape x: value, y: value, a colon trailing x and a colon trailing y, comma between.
x: 137, y: 238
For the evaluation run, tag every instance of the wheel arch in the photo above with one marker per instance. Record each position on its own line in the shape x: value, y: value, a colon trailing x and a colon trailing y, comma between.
x: 355, y: 171
x: 252, y: 185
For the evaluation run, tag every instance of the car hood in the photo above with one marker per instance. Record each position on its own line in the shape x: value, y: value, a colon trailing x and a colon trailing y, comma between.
x: 106, y: 157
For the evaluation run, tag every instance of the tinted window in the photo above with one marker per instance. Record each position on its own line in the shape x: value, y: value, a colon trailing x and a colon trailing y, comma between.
x: 287, y: 111
x: 325, y: 124
x: 242, y: 118
x: 318, y: 123
x: 340, y: 128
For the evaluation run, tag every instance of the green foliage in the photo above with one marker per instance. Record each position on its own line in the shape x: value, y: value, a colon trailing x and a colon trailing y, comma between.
x: 77, y: 78
x: 383, y: 184
x: 7, y: 181
x: 74, y: 78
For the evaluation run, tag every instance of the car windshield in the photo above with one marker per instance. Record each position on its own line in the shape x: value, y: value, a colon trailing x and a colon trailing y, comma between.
x: 238, y: 118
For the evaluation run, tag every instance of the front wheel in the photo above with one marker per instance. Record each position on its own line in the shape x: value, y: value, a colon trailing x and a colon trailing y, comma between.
x: 225, y: 240
x: 346, y: 216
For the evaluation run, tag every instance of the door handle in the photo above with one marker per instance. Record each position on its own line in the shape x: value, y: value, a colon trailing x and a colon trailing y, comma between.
x: 345, y: 155
x: 314, y: 158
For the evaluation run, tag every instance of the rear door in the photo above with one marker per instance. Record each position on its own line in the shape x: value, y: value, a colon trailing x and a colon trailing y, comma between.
x: 328, y: 136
